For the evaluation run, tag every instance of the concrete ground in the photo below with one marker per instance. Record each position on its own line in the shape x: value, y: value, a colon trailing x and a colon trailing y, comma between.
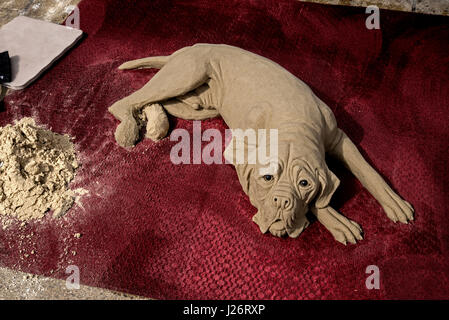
x: 49, y: 10
x: 15, y: 285
x: 18, y: 285
x: 440, y: 7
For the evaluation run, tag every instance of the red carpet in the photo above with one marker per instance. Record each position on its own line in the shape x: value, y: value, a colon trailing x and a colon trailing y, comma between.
x: 165, y: 231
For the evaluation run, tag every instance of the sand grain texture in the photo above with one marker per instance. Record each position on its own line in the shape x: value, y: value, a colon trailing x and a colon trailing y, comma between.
x: 36, y: 167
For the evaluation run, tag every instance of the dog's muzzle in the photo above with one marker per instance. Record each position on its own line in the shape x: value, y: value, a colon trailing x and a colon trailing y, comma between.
x: 287, y: 216
x: 280, y: 228
x: 282, y: 212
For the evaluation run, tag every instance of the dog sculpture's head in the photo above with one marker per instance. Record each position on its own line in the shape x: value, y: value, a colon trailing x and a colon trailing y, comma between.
x: 285, y: 188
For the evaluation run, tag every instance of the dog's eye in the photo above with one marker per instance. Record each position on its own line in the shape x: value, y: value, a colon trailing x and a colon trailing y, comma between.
x: 268, y: 177
x: 303, y: 183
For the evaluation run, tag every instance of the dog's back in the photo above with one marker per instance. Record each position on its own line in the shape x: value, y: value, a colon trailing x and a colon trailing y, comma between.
x: 250, y: 90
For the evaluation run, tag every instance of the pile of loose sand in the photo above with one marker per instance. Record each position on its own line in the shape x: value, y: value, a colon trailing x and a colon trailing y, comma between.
x: 36, y: 167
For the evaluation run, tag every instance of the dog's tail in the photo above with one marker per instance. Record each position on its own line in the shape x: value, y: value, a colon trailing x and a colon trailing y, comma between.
x: 151, y: 62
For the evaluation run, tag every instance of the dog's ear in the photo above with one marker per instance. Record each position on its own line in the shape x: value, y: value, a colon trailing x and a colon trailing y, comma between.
x: 328, y: 184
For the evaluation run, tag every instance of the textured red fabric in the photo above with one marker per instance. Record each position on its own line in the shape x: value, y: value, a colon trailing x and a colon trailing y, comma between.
x: 184, y: 231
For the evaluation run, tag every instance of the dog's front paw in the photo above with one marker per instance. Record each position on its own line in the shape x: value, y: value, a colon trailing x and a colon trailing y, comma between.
x: 343, y: 229
x: 396, y: 208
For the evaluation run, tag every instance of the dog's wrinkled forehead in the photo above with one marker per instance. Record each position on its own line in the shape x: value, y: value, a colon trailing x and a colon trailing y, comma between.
x: 290, y: 160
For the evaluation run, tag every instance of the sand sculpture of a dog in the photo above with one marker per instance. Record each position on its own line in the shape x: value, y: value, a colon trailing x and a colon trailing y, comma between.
x: 250, y: 91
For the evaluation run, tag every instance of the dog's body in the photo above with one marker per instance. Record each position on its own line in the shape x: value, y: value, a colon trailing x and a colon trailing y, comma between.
x: 252, y: 92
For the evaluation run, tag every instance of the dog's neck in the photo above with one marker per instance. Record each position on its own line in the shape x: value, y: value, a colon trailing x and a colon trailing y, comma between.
x: 305, y: 135
x: 304, y: 141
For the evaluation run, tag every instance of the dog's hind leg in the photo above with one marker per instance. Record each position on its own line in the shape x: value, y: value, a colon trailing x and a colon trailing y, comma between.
x: 182, y: 73
x: 194, y: 105
x: 185, y: 111
x: 157, y: 122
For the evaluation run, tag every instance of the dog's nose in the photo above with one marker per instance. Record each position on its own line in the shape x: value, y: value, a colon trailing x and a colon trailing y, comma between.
x: 282, y: 202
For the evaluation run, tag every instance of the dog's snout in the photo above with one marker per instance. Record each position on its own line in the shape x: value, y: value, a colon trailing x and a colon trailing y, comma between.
x: 282, y: 202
